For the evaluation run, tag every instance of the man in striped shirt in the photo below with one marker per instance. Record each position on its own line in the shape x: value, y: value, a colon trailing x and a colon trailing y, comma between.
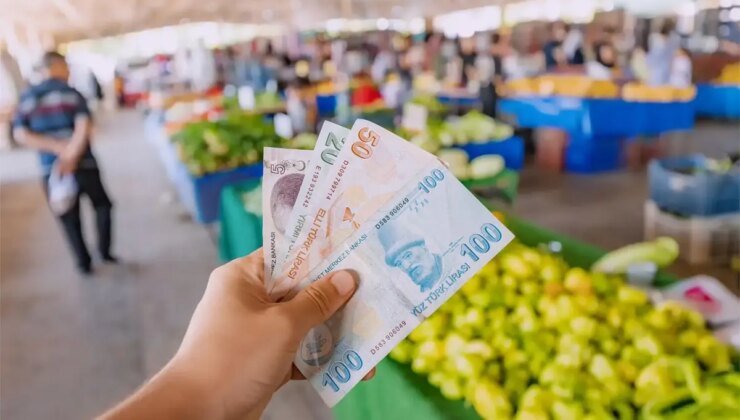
x: 53, y: 118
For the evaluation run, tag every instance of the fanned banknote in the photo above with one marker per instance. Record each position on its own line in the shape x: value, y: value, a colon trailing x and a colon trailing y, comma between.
x: 408, y: 258
x: 282, y: 177
x: 329, y: 143
x: 371, y: 167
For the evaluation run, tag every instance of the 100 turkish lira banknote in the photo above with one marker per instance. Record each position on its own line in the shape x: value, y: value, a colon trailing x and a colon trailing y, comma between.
x: 410, y: 233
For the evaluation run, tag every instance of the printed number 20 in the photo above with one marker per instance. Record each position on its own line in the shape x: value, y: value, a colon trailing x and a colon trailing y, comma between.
x: 480, y: 243
x: 341, y: 370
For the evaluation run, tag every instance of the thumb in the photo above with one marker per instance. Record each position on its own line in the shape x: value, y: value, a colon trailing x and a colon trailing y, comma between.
x: 319, y: 301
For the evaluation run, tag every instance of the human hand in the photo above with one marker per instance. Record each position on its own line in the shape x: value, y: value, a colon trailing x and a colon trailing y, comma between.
x: 68, y: 158
x: 239, y: 347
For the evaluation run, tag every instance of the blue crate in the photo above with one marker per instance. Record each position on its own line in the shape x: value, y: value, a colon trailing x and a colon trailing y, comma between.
x: 201, y: 195
x: 585, y: 155
x: 607, y: 118
x: 511, y: 149
x: 654, y: 118
x: 717, y: 101
x: 536, y: 112
x: 460, y: 101
x: 698, y: 194
x: 326, y: 104
x: 600, y: 118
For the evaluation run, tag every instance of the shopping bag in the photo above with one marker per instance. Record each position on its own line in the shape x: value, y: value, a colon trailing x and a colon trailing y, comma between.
x: 63, y: 191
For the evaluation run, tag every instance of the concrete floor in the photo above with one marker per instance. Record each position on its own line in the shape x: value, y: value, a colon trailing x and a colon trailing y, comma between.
x: 72, y: 346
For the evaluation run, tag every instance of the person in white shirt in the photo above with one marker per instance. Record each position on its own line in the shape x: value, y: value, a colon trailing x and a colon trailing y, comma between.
x: 603, y: 65
x: 681, y: 69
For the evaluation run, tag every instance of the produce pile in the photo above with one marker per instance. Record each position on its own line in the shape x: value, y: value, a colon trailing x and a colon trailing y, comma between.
x: 463, y: 168
x: 585, y: 87
x: 262, y: 101
x: 730, y: 75
x: 473, y: 127
x: 531, y: 338
x: 562, y: 85
x: 235, y: 140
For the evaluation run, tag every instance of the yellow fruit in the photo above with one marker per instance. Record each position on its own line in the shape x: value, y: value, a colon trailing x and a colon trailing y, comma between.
x: 490, y: 401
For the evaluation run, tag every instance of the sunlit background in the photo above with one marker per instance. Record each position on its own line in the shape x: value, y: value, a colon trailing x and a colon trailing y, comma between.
x: 587, y: 126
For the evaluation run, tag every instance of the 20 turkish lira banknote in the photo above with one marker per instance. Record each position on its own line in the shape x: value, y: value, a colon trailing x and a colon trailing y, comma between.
x: 367, y: 201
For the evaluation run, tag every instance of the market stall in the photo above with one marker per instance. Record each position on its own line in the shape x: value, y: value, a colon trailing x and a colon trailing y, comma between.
x: 720, y: 97
x: 596, y: 117
x: 205, y: 147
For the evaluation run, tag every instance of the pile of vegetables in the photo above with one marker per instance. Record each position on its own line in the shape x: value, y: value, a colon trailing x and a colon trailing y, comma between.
x: 304, y: 141
x: 476, y: 127
x: 430, y: 102
x: 473, y: 127
x: 463, y: 168
x: 235, y: 140
x: 262, y: 101
x: 529, y: 337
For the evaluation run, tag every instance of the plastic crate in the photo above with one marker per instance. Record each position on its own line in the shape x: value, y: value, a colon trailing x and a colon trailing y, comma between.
x: 511, y: 149
x: 201, y: 195
x: 586, y: 155
x: 717, y: 101
x: 701, y: 240
x: 241, y: 231
x: 534, y: 112
x: 326, y: 104
x: 700, y: 194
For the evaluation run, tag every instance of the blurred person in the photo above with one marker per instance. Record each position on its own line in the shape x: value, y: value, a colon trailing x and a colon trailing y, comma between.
x: 384, y: 61
x: 54, y: 119
x: 604, y: 64
x: 492, y: 74
x: 662, y: 47
x: 519, y: 65
x: 239, y: 347
x: 681, y: 69
x: 393, y: 91
x: 572, y: 46
x: 553, y: 48
x: 638, y: 65
x: 365, y: 92
x: 468, y: 57
x: 434, y: 59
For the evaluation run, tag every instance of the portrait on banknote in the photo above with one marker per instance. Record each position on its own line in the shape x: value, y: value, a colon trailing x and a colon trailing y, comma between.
x: 283, y: 198
x: 411, y: 253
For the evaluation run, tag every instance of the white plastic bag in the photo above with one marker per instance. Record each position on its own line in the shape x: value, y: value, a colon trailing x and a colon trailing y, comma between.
x: 62, y: 191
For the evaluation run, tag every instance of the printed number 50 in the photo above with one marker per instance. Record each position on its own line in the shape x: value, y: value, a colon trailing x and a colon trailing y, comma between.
x: 480, y: 243
x: 363, y: 149
x: 341, y: 371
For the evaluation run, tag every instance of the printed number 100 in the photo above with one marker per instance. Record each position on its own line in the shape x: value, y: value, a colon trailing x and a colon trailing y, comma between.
x: 341, y: 371
x: 480, y: 243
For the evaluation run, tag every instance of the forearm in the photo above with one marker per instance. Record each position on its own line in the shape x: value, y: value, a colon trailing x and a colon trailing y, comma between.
x: 37, y: 141
x: 172, y: 393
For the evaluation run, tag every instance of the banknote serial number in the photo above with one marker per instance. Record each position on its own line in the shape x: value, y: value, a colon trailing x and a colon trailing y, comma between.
x: 385, y: 340
x: 398, y: 207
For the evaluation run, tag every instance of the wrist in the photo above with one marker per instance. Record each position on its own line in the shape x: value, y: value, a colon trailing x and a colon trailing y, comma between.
x: 188, y: 388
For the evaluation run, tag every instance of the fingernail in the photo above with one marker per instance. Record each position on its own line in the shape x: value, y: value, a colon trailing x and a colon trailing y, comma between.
x: 343, y: 282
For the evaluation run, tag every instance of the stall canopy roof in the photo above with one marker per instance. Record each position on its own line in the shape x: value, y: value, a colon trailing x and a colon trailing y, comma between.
x: 66, y: 20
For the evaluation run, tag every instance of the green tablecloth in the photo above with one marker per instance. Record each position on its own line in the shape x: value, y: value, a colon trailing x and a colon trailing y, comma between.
x: 396, y: 392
